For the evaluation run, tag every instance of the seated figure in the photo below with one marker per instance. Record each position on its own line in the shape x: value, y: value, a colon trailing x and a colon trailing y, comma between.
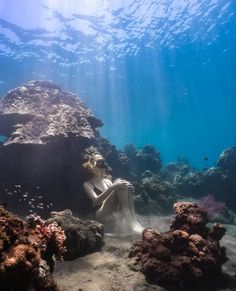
x: 113, y: 203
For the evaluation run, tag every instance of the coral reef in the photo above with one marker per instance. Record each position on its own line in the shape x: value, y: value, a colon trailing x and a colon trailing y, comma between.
x: 147, y: 158
x: 227, y: 160
x: 82, y: 237
x: 187, y: 257
x: 27, y: 252
x: 158, y: 190
x: 221, y: 180
x: 48, y: 132
x: 184, y: 179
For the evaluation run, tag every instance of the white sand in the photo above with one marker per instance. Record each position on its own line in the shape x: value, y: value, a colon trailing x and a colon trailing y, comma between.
x: 108, y: 270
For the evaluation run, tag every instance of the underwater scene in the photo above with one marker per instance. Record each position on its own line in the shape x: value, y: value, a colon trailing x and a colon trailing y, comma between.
x: 117, y: 145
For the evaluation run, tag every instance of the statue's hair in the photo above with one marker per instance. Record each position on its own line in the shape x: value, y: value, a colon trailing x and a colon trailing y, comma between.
x: 91, y: 163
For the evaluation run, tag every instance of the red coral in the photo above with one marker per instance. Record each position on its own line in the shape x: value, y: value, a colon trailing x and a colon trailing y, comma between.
x: 26, y: 252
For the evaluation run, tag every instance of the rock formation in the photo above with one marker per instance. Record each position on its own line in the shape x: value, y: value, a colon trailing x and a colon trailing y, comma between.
x: 82, y: 237
x: 187, y: 257
x: 47, y: 133
x: 46, y: 129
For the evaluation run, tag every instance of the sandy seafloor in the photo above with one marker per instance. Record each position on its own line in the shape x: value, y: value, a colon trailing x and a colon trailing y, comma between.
x: 108, y: 269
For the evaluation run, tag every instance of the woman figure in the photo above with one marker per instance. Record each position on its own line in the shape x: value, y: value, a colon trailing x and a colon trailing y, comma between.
x: 109, y: 198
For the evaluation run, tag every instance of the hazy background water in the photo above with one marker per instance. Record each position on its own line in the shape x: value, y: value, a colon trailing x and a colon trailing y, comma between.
x: 160, y: 72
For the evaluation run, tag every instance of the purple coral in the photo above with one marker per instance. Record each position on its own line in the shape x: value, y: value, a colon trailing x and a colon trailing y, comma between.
x: 212, y: 207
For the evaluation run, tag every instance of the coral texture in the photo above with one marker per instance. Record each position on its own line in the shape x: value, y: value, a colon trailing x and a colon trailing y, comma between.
x: 188, y: 257
x: 27, y: 251
x: 40, y: 111
x: 157, y: 189
x: 147, y: 158
x: 82, y: 237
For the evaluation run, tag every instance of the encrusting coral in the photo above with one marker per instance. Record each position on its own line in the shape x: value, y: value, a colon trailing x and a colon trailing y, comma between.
x: 82, y: 237
x: 187, y: 257
x: 26, y: 252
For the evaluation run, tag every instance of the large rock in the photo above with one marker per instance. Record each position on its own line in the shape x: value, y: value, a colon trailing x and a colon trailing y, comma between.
x: 40, y: 112
x: 46, y: 130
x: 227, y: 160
x: 82, y: 237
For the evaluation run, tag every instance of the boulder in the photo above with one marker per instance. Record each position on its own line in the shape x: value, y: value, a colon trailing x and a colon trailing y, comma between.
x: 82, y: 237
x: 46, y: 130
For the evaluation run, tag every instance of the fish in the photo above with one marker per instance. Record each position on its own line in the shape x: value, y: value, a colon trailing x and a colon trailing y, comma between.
x: 205, y: 158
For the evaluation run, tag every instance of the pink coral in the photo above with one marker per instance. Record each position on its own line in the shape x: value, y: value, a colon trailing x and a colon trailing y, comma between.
x: 52, y: 233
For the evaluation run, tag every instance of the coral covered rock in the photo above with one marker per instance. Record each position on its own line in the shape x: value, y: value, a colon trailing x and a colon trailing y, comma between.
x: 40, y: 111
x: 184, y: 179
x: 147, y: 158
x: 227, y: 160
x: 27, y: 251
x: 221, y: 183
x: 188, y: 257
x: 46, y: 130
x: 157, y: 189
x: 82, y: 237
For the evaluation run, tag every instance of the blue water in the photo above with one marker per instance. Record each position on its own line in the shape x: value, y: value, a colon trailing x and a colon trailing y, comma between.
x: 160, y: 72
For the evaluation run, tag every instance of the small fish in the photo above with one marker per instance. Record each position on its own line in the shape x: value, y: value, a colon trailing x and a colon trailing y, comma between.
x: 205, y: 158
x: 9, y: 193
x: 25, y: 195
x: 40, y: 197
